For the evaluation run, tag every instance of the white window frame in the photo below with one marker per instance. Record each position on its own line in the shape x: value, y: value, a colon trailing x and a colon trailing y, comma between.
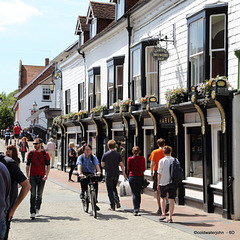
x: 120, y: 8
x: 154, y: 72
x: 196, y: 56
x: 91, y: 94
x: 46, y: 92
x: 211, y: 51
x: 111, y: 88
x: 119, y: 85
x: 93, y: 27
x: 98, y: 93
x: 136, y: 68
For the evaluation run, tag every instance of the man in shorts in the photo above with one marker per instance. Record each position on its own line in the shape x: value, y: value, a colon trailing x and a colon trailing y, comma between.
x: 164, y: 183
x: 16, y: 131
x: 155, y: 157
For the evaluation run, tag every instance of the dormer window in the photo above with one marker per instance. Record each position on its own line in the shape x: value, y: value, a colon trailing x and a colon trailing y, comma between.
x: 120, y: 8
x: 93, y: 27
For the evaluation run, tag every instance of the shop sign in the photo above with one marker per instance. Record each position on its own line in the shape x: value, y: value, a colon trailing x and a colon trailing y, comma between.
x: 166, y: 120
x: 160, y: 54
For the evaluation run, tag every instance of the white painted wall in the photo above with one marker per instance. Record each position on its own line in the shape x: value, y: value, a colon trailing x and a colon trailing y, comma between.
x: 25, y: 107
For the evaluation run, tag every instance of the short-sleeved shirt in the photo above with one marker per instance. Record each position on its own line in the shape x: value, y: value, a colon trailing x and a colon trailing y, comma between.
x: 38, y: 163
x: 5, y: 189
x: 111, y: 160
x: 164, y: 170
x: 17, y: 130
x: 51, y: 146
x: 137, y: 167
x: 17, y: 177
x: 155, y: 156
x: 86, y: 163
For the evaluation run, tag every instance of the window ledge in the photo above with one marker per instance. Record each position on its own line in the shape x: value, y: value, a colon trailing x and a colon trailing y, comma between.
x: 195, y: 181
x: 217, y: 186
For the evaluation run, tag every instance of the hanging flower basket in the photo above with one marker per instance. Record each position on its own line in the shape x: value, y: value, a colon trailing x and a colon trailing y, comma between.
x: 176, y: 95
x: 124, y: 104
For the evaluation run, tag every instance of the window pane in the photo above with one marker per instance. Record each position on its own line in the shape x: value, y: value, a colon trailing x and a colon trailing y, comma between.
x: 111, y: 96
x: 98, y: 99
x: 196, y: 155
x: 197, y: 69
x: 151, y: 73
x: 217, y: 31
x: 119, y: 93
x: 137, y: 87
x: 110, y: 76
x: 136, y: 62
x: 119, y: 74
x: 200, y: 35
x: 218, y: 63
x: 219, y: 164
x: 91, y: 84
x: 193, y: 40
x: 196, y: 37
x: 98, y: 84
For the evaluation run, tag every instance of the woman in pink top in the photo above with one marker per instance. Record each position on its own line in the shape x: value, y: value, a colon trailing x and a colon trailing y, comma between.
x: 136, y: 168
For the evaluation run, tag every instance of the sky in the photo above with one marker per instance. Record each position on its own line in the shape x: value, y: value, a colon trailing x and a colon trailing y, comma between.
x: 32, y: 30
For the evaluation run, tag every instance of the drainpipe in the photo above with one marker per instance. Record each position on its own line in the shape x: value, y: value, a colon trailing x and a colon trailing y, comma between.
x: 129, y: 29
x: 84, y: 59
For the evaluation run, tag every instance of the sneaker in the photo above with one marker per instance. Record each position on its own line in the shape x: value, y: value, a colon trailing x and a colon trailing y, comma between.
x: 135, y: 212
x: 97, y: 208
x: 163, y: 217
x: 37, y: 212
x: 167, y: 208
x: 81, y: 195
x: 159, y: 211
x: 118, y: 205
x: 32, y: 216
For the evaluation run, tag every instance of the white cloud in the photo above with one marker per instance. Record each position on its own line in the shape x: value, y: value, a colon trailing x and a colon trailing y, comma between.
x: 15, y: 12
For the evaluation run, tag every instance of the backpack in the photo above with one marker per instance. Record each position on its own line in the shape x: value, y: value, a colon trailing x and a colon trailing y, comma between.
x: 176, y: 172
x: 92, y: 160
x: 31, y: 154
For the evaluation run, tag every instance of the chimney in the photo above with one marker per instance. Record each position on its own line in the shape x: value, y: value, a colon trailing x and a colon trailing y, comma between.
x: 46, y: 61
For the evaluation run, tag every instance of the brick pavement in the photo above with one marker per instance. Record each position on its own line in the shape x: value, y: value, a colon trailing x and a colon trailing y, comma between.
x: 186, y: 219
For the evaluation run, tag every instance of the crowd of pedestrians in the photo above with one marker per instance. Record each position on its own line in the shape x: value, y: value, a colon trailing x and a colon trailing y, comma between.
x: 38, y: 167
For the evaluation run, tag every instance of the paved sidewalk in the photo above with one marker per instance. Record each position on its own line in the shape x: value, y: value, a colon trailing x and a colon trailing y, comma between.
x: 186, y: 219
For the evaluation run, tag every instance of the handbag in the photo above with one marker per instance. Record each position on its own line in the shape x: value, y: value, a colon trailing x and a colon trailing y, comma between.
x: 145, y: 182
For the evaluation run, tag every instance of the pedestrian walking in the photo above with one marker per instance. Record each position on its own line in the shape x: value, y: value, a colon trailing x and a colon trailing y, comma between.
x: 7, y: 136
x: 136, y: 168
x: 17, y: 178
x: 164, y: 183
x: 88, y: 164
x: 72, y: 159
x: 16, y: 132
x: 37, y: 170
x: 111, y: 161
x: 5, y: 189
x: 23, y: 148
x: 12, y: 152
x: 51, y: 149
x: 155, y: 157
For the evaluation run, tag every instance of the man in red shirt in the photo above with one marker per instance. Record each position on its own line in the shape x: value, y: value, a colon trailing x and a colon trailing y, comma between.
x: 16, y: 131
x: 39, y: 163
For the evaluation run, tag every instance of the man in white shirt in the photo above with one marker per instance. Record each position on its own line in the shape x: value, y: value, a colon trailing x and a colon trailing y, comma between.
x: 164, y: 183
x: 51, y: 149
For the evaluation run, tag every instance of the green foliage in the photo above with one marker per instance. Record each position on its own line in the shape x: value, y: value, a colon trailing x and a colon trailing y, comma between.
x: 6, y: 112
x: 6, y: 117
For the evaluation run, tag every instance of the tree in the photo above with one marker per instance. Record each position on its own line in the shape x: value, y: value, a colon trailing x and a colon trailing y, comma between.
x: 6, y: 112
x: 6, y: 117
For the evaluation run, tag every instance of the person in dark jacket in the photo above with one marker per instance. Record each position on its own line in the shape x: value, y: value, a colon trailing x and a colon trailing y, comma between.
x: 23, y: 148
x: 72, y: 159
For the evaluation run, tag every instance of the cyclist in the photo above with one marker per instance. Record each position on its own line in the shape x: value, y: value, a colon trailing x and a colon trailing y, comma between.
x: 88, y: 164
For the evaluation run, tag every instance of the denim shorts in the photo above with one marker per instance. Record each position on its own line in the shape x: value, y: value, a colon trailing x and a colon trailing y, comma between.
x: 2, y: 228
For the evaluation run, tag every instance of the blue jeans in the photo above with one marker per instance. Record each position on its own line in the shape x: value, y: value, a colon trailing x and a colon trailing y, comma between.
x: 37, y: 186
x: 111, y: 184
x: 2, y: 228
x: 136, y: 186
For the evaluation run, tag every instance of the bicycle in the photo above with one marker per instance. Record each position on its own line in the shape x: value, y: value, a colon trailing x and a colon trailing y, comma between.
x: 90, y: 195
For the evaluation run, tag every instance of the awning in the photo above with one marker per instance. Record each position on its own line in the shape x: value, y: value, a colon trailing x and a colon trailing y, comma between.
x: 34, y: 115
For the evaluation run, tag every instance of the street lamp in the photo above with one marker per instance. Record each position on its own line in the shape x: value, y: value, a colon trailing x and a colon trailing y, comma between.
x: 56, y: 73
x: 34, y: 106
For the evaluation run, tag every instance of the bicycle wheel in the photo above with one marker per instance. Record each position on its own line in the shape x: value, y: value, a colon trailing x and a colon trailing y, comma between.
x: 93, y: 202
x: 85, y: 202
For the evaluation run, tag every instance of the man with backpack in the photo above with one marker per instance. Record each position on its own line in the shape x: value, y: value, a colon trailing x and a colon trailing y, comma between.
x: 165, y: 183
x: 88, y: 164
x: 37, y: 170
x: 17, y: 177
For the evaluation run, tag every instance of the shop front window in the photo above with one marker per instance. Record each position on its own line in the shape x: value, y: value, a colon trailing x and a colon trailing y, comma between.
x: 148, y: 145
x: 92, y: 140
x: 120, y: 144
x: 196, y: 154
